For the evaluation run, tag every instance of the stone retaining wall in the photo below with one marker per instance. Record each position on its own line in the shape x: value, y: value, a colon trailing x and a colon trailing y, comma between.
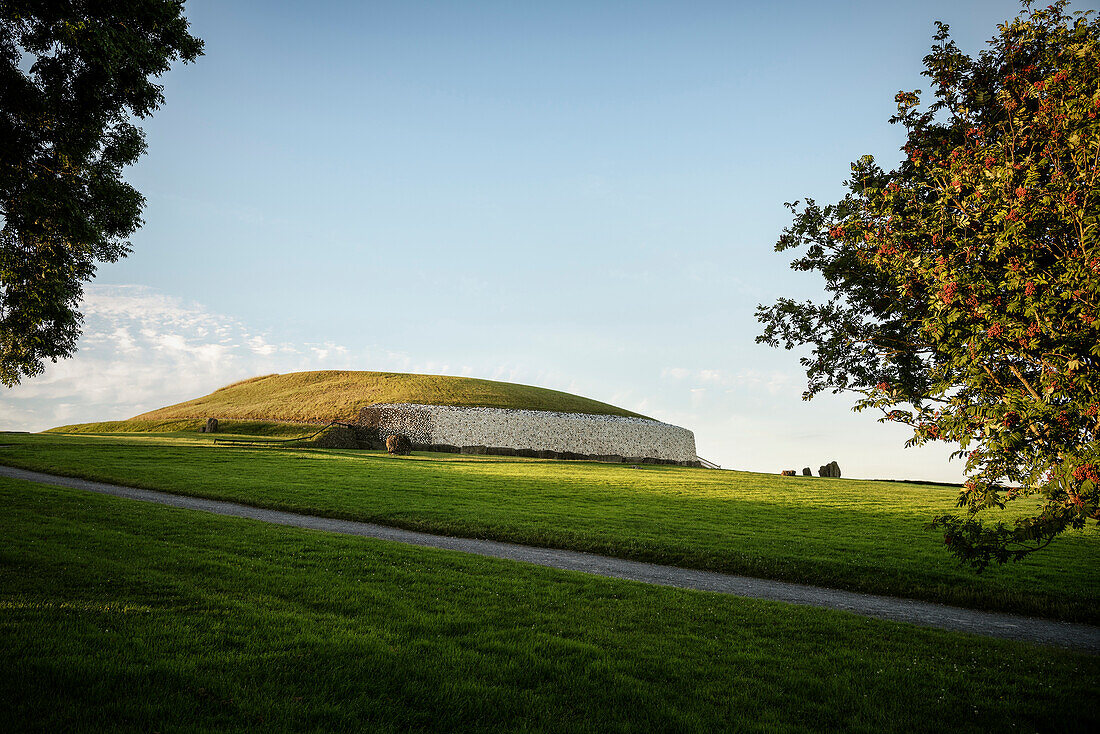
x: 570, y: 435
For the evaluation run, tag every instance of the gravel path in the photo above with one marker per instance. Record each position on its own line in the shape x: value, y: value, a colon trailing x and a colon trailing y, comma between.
x: 926, y: 614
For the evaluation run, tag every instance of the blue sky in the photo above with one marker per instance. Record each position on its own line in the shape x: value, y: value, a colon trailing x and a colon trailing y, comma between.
x: 580, y: 195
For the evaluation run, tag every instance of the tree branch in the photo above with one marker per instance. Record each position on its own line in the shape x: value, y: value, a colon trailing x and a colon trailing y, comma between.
x: 1026, y: 384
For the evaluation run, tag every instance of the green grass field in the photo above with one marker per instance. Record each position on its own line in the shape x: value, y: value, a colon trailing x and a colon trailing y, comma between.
x: 319, y: 397
x: 859, y: 535
x: 118, y: 615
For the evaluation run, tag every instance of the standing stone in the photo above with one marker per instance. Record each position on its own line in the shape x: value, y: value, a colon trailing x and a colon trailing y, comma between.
x: 832, y: 469
x: 806, y: 472
x: 210, y: 427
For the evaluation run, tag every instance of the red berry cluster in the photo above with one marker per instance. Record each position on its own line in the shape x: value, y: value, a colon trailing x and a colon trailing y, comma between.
x: 1087, y: 471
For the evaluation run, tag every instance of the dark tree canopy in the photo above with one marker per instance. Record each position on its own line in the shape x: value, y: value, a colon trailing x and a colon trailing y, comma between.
x: 73, y: 76
x: 964, y: 286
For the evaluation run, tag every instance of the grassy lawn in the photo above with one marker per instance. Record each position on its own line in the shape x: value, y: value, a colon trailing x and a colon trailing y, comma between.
x: 859, y: 535
x: 330, y: 395
x: 125, y: 616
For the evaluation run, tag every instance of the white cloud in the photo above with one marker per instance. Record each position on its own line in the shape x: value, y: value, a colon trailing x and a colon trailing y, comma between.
x: 259, y: 346
x: 142, y: 349
x: 773, y: 382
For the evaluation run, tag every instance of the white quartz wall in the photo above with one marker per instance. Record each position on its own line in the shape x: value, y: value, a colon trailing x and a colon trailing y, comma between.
x: 579, y: 433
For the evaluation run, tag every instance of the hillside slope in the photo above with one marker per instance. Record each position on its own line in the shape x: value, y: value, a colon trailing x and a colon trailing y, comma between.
x: 335, y: 395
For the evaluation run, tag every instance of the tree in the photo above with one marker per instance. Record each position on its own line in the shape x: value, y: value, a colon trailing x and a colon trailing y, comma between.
x: 964, y: 286
x: 73, y: 75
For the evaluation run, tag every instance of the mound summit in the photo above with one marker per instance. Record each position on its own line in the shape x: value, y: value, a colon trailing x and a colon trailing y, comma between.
x: 320, y: 397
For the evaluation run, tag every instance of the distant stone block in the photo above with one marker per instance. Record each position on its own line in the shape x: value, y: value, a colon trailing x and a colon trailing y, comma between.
x: 398, y: 445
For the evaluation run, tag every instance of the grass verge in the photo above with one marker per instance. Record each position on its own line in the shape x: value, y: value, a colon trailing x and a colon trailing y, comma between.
x: 184, y: 426
x: 858, y: 535
x: 124, y: 616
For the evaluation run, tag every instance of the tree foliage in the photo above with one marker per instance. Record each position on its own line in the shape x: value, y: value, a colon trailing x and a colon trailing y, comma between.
x: 964, y: 285
x: 73, y: 76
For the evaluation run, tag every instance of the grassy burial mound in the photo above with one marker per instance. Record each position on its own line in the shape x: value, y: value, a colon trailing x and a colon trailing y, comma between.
x: 435, y: 412
x: 319, y: 397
